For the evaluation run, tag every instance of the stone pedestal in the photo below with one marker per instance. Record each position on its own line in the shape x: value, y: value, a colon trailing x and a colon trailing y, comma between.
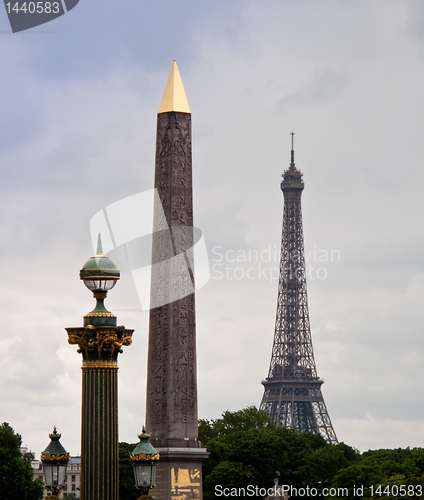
x: 179, y: 474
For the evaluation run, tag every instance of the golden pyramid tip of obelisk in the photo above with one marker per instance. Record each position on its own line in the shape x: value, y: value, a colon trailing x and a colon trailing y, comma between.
x: 174, y: 97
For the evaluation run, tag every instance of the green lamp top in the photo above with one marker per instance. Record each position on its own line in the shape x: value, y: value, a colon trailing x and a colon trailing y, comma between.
x: 144, y: 450
x: 55, y: 452
x: 99, y: 265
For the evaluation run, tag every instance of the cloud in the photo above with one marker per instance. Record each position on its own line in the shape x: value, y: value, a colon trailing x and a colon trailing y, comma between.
x: 78, y: 134
x: 387, y: 432
x: 324, y: 86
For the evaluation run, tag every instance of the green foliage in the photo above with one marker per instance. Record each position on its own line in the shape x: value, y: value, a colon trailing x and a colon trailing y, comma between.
x: 242, y: 420
x: 322, y: 464
x: 16, y: 475
x: 127, y: 489
x: 71, y: 496
x: 229, y: 474
x: 383, y: 468
x: 245, y: 448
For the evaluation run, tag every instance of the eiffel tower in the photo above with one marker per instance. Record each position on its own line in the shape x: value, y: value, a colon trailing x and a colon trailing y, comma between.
x: 293, y: 394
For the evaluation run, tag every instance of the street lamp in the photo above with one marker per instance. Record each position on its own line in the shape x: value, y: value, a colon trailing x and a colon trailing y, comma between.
x: 99, y: 275
x: 100, y: 341
x: 144, y: 461
x: 55, y: 461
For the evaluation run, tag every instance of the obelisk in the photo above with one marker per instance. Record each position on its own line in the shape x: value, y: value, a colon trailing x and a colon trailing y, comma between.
x: 171, y: 409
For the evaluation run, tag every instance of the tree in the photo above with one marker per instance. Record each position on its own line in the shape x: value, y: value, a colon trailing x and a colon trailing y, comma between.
x: 16, y: 474
x: 247, y: 449
x: 383, y: 472
x: 127, y: 489
x: 227, y: 474
x: 242, y: 420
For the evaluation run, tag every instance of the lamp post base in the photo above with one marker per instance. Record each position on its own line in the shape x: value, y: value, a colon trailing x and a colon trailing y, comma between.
x: 55, y: 492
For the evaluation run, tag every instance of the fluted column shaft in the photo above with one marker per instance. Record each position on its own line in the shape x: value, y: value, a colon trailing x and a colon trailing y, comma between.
x: 99, y: 439
x: 100, y: 347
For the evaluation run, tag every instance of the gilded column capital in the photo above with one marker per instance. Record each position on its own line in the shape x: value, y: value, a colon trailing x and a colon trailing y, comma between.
x: 101, y: 343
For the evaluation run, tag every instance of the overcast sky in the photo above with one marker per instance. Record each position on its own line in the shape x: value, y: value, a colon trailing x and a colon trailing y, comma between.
x: 79, y: 98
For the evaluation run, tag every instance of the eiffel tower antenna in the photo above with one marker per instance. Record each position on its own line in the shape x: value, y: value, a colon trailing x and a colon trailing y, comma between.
x: 293, y: 394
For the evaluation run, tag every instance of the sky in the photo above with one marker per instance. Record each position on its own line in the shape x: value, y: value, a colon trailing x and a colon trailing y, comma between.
x: 78, y: 100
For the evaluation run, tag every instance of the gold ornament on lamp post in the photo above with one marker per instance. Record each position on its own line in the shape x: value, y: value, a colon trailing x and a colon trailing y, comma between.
x: 55, y: 461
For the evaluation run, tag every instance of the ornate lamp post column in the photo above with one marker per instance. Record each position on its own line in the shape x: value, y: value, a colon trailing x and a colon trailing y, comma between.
x: 55, y: 461
x: 144, y: 460
x: 100, y: 341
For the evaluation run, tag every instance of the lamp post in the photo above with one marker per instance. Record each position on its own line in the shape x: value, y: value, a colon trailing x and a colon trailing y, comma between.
x: 55, y: 461
x: 144, y: 460
x: 99, y: 341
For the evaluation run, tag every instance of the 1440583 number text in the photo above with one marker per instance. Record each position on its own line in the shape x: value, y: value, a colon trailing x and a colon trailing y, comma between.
x: 395, y: 490
x: 33, y: 7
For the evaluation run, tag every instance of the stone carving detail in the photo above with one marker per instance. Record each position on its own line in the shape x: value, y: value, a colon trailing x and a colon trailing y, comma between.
x: 186, y: 482
x: 171, y: 384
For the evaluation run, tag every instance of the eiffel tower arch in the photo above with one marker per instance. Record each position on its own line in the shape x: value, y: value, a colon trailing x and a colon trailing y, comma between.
x: 292, y: 393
